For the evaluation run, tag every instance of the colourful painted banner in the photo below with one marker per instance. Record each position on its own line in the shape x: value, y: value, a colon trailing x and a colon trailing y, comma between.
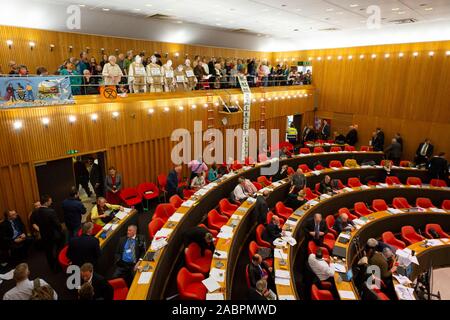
x: 20, y: 92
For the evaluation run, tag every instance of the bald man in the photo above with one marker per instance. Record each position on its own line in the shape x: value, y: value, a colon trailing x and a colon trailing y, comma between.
x: 343, y: 224
x: 273, y: 230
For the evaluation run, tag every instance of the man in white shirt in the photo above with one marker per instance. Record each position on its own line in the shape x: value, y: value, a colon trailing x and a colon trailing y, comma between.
x: 24, y: 287
x: 239, y: 191
x: 319, y: 266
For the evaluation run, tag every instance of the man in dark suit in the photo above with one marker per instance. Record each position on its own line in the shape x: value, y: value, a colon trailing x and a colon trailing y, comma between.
x: 260, y: 292
x: 13, y: 240
x: 342, y: 223
x: 273, y: 230
x: 281, y: 174
x: 172, y: 182
x: 424, y: 152
x: 316, y: 228
x: 102, y: 289
x: 259, y: 269
x: 130, y: 251
x: 73, y: 210
x: 81, y: 176
x: 325, y: 130
x: 200, y: 236
x: 85, y: 248
x: 394, y: 152
x: 438, y: 167
x: 378, y: 140
x: 352, y: 136
x: 50, y: 229
x: 95, y: 177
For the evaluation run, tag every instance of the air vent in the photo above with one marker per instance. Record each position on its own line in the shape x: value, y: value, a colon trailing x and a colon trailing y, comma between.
x: 161, y: 17
x: 330, y: 29
x: 403, y: 21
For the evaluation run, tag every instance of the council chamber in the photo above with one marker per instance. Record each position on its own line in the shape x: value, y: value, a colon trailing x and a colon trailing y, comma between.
x: 225, y: 150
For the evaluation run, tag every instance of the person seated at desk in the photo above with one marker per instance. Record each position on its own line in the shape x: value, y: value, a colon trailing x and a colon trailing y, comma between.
x: 101, y: 213
x: 259, y: 269
x: 296, y: 198
x: 378, y: 245
x: 272, y: 230
x: 14, y: 241
x: 261, y: 292
x: 200, y: 236
x: 85, y: 248
x: 281, y: 174
x: 24, y: 286
x: 316, y: 228
x: 129, y: 253
x: 343, y: 224
x: 213, y: 173
x: 299, y: 179
x: 320, y: 267
x: 102, y: 289
x: 239, y: 192
x: 438, y: 167
x: 376, y: 258
x: 261, y: 208
x: 198, y: 181
x: 325, y: 185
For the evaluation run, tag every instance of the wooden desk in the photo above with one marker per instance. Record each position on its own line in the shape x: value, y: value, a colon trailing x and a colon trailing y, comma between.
x: 332, y: 205
x: 163, y: 267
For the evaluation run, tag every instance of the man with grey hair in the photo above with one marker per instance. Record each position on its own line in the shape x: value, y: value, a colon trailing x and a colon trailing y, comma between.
x: 343, y: 224
x: 24, y: 286
x: 112, y: 72
x: 85, y: 248
x: 261, y: 292
x: 299, y: 179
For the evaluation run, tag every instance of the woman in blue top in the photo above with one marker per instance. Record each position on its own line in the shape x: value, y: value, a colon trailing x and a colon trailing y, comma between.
x: 213, y: 173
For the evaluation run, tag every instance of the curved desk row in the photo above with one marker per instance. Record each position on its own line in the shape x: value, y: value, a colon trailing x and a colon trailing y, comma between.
x: 345, y: 198
x: 375, y: 224
x: 189, y: 215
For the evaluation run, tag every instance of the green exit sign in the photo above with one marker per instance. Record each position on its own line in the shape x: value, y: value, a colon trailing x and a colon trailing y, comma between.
x: 72, y: 152
x: 304, y: 63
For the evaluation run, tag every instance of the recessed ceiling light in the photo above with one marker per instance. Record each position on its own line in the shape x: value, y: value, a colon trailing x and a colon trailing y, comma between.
x: 395, y: 9
x: 401, y: 54
x: 329, y: 9
x: 329, y: 57
x: 17, y: 125
x: 149, y: 5
x: 387, y: 55
x: 179, y: 22
x: 193, y: 106
x: 339, y: 57
x: 151, y: 111
x: 361, y: 56
x: 72, y: 119
x: 180, y: 108
x: 431, y: 53
x: 415, y: 54
x: 428, y: 9
x: 45, y: 121
x: 115, y: 114
x: 137, y: 9
x: 447, y: 53
x: 218, y: 24
x: 350, y: 57
x: 106, y: 9
x: 166, y: 109
x: 319, y: 58
x: 401, y: 12
x: 354, y: 5
x: 339, y: 12
x: 374, y: 56
x: 82, y: 5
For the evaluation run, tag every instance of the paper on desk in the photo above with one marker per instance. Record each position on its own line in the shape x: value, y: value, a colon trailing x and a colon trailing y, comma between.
x: 345, y: 235
x: 312, y: 202
x: 215, y: 296
x: 114, y: 226
x: 291, y: 222
x: 158, y: 244
x: 316, y: 172
x: 121, y: 214
x: 335, y: 169
x: 224, y: 235
x: 324, y: 196
x: 364, y: 187
x: 163, y: 233
x: 292, y: 242
x: 394, y: 211
x: 251, y: 200
x: 282, y: 274
x: 217, y: 274
x: 345, y: 294
x: 127, y: 210
x: 279, y: 254
x: 279, y: 242
x: 339, y: 267
x: 226, y: 229
x: 211, y: 284
x: 346, y: 168
x: 107, y: 226
x: 402, y: 279
x: 438, y: 210
x: 236, y: 217
x: 276, y: 184
x: 286, y: 297
x: 434, y: 242
x: 176, y: 217
x: 222, y: 255
x: 348, y: 189
x: 188, y: 203
x: 8, y: 275
x: 404, y: 293
x: 145, y: 277
x: 282, y: 281
x: 359, y: 222
x: 201, y: 192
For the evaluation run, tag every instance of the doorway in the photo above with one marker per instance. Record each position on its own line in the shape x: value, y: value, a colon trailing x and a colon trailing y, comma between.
x: 296, y: 119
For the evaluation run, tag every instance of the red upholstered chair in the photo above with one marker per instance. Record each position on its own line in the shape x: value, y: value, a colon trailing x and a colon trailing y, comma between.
x: 262, y: 157
x: 154, y: 226
x: 335, y: 164
x: 379, y: 205
x: 361, y: 209
x: 319, y: 167
x: 392, y: 180
x: 317, y: 187
x: 318, y: 150
x: 164, y: 211
x: 187, y: 193
x: 438, y: 183
x: 347, y: 212
x: 445, y: 205
x: 282, y: 210
x: 212, y: 231
x: 389, y: 238
x: 330, y: 223
x: 400, y: 203
x: 97, y: 228
x: 365, y: 148
x: 226, y: 207
x: 190, y: 286
x: 354, y: 182
x: 335, y: 149
x: 424, y: 203
x: 216, y: 220
x: 309, y: 195
x: 259, y: 232
x: 410, y: 236
x: 263, y: 181
x: 257, y: 185
x: 253, y: 248
x: 349, y: 148
x: 328, y: 241
x: 195, y: 262
x: 269, y: 218
x: 304, y: 168
x: 290, y: 171
x: 162, y: 184
x: 236, y: 166
x: 380, y: 295
x: 120, y: 288
x: 64, y: 262
x: 413, y: 181
x: 405, y: 164
x: 317, y: 294
x: 312, y: 248
x: 148, y: 191
x: 305, y: 151
x: 340, y: 184
x: 130, y: 196
x: 436, y: 228
x: 176, y: 201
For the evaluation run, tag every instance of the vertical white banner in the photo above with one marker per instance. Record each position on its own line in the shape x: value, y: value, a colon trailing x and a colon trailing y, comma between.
x: 246, y: 117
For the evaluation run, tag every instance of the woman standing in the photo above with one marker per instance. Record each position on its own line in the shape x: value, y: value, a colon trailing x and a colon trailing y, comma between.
x: 113, y: 185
